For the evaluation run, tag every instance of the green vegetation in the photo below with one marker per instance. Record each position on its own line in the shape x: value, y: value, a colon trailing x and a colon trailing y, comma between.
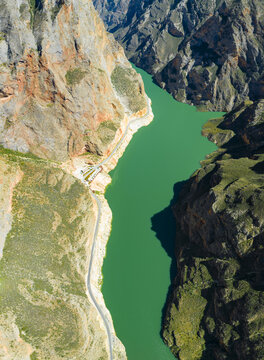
x: 33, y: 356
x: 237, y: 176
x: 2, y: 36
x: 74, y: 76
x: 224, y: 200
x: 185, y: 320
x: 108, y: 125
x: 211, y: 130
x: 107, y: 131
x: 89, y: 175
x: 14, y: 155
x: 35, y: 6
x: 100, y: 70
x: 22, y: 9
x: 8, y: 123
x: 32, y: 9
x: 5, y: 65
x: 56, y: 9
x: 40, y: 282
x: 240, y: 181
x: 127, y: 85
x: 185, y: 316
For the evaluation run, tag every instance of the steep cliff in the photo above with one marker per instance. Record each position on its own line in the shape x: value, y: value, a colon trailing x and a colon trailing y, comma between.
x: 66, y: 89
x: 204, y: 52
x: 56, y: 93
x: 215, y: 310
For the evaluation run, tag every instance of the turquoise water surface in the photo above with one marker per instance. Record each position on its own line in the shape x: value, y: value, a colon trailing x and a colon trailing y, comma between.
x: 138, y: 263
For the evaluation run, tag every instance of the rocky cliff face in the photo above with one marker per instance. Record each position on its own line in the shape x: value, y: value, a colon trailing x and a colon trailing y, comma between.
x: 66, y: 88
x: 56, y: 94
x: 204, y: 52
x: 216, y: 308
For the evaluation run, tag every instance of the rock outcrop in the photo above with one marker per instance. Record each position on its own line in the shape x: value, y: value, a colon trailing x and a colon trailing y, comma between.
x: 56, y: 94
x: 215, y: 310
x: 205, y: 52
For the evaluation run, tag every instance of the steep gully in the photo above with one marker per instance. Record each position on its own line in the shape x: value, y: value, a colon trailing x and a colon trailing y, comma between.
x: 99, y: 215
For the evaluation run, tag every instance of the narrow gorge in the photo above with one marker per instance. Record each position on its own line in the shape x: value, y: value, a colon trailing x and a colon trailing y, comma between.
x: 182, y: 274
x: 136, y: 270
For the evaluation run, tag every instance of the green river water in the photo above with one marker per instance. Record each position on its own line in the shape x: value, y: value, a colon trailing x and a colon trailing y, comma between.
x: 137, y: 267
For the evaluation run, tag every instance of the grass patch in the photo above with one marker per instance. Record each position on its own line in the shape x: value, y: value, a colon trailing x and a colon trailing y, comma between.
x: 22, y: 9
x: 2, y: 36
x: 74, y: 76
x: 56, y: 9
x: 108, y: 125
x: 8, y: 123
x: 211, y: 126
x: 107, y: 131
x: 214, y: 133
x: 34, y: 7
x: 13, y: 155
x: 126, y: 83
x: 183, y: 331
x: 33, y: 356
x: 38, y: 270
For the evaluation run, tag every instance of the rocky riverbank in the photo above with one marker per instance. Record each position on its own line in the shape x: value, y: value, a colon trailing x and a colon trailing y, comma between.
x: 216, y: 306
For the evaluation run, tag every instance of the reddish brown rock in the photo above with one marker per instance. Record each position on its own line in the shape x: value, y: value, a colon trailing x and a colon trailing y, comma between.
x: 55, y: 79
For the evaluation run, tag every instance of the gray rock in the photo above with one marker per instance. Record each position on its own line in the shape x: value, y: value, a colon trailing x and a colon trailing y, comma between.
x: 207, y: 53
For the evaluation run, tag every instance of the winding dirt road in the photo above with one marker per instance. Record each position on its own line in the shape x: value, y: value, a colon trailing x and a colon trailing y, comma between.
x: 107, y: 324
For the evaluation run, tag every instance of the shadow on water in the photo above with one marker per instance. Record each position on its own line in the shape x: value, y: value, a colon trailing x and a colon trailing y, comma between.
x: 164, y: 225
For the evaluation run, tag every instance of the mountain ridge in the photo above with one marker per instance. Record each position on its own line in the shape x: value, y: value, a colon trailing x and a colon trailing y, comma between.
x: 206, y: 53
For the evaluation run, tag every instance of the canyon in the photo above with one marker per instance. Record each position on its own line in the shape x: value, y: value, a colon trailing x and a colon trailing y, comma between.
x: 67, y: 94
